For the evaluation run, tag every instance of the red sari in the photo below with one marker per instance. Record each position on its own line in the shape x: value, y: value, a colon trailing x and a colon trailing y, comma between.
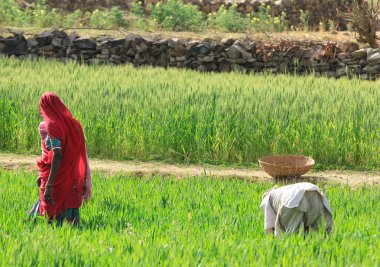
x: 68, y: 184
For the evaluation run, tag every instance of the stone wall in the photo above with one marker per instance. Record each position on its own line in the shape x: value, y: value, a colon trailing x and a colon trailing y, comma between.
x: 319, y: 10
x: 330, y: 59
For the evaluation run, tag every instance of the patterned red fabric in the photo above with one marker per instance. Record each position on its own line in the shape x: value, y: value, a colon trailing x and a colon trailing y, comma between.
x: 68, y: 184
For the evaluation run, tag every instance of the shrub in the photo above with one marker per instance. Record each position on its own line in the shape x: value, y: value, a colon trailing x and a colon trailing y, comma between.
x: 9, y: 12
x: 43, y: 17
x: 117, y: 17
x: 304, y: 19
x: 72, y: 20
x: 263, y: 21
x: 107, y: 19
x: 229, y: 19
x: 364, y: 17
x: 137, y: 9
x: 175, y: 15
x: 138, y: 16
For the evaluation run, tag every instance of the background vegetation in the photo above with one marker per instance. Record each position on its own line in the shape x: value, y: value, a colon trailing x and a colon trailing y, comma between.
x: 169, y: 15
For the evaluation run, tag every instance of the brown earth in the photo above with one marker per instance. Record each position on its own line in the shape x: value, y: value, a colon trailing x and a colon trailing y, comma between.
x: 267, y: 37
x: 138, y: 168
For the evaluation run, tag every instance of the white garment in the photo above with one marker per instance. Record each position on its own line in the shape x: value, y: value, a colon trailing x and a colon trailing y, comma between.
x: 288, y: 196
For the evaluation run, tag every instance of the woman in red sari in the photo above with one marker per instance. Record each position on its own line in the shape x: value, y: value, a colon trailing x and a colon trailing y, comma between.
x: 62, y: 167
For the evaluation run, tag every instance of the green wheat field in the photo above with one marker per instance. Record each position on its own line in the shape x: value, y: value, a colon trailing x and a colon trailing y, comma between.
x: 182, y: 222
x: 189, y: 117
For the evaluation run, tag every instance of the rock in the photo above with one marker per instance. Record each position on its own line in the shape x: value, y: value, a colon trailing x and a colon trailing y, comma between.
x: 177, y: 53
x: 331, y: 74
x: 219, y: 49
x: 199, y: 49
x: 44, y: 39
x: 354, y: 67
x: 74, y: 35
x: 57, y: 33
x: 348, y: 47
x: 372, y: 69
x: 116, y: 50
x: 45, y: 49
x: 141, y: 47
x: 85, y: 43
x: 341, y: 72
x: 236, y: 60
x: 131, y: 52
x: 32, y: 42
x: 16, y: 32
x: 363, y: 62
x: 227, y: 41
x: 359, y: 54
x: 132, y: 37
x: 180, y: 45
x: 164, y: 60
x: 342, y: 56
x: 251, y: 60
x: 172, y: 42
x: 225, y: 67
x: 311, y: 53
x: 258, y: 64
x: 182, y: 58
x: 373, y: 56
x: 208, y: 58
x: 161, y: 42
x: 207, y: 67
x: 116, y: 42
x: 57, y: 42
x: 137, y: 40
x: 235, y: 51
x: 105, y: 51
x: 88, y: 53
x: 67, y: 42
x: 251, y: 48
x: 246, y: 56
x: 284, y: 67
x: 350, y: 61
x: 15, y: 46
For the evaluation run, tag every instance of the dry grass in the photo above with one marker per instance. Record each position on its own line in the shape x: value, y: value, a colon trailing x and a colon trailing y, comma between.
x: 271, y: 37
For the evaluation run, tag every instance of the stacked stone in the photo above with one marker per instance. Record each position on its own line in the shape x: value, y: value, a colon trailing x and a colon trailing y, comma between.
x: 330, y: 59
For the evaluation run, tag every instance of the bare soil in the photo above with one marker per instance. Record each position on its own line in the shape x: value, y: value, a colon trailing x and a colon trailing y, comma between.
x: 141, y: 169
x: 265, y: 37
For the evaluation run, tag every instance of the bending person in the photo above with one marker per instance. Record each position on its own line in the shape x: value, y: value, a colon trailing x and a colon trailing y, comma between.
x: 62, y: 168
x: 293, y: 208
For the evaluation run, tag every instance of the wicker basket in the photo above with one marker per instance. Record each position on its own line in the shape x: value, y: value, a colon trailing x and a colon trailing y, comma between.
x: 282, y: 166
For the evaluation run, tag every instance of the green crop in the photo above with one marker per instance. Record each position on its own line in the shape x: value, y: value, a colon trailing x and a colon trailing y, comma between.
x: 185, y: 116
x: 182, y: 222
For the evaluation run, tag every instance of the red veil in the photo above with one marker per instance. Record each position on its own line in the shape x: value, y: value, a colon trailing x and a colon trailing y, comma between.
x: 68, y: 184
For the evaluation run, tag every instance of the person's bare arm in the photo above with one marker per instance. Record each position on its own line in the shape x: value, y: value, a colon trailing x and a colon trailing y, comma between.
x: 55, y: 166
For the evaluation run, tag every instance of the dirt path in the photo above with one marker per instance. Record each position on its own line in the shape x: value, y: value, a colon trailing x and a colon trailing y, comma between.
x: 27, y: 162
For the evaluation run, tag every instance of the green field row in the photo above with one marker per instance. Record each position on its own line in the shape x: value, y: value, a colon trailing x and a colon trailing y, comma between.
x: 185, y: 116
x: 182, y: 222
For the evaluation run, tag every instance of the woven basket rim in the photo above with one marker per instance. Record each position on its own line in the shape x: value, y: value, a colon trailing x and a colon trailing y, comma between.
x: 311, y: 160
